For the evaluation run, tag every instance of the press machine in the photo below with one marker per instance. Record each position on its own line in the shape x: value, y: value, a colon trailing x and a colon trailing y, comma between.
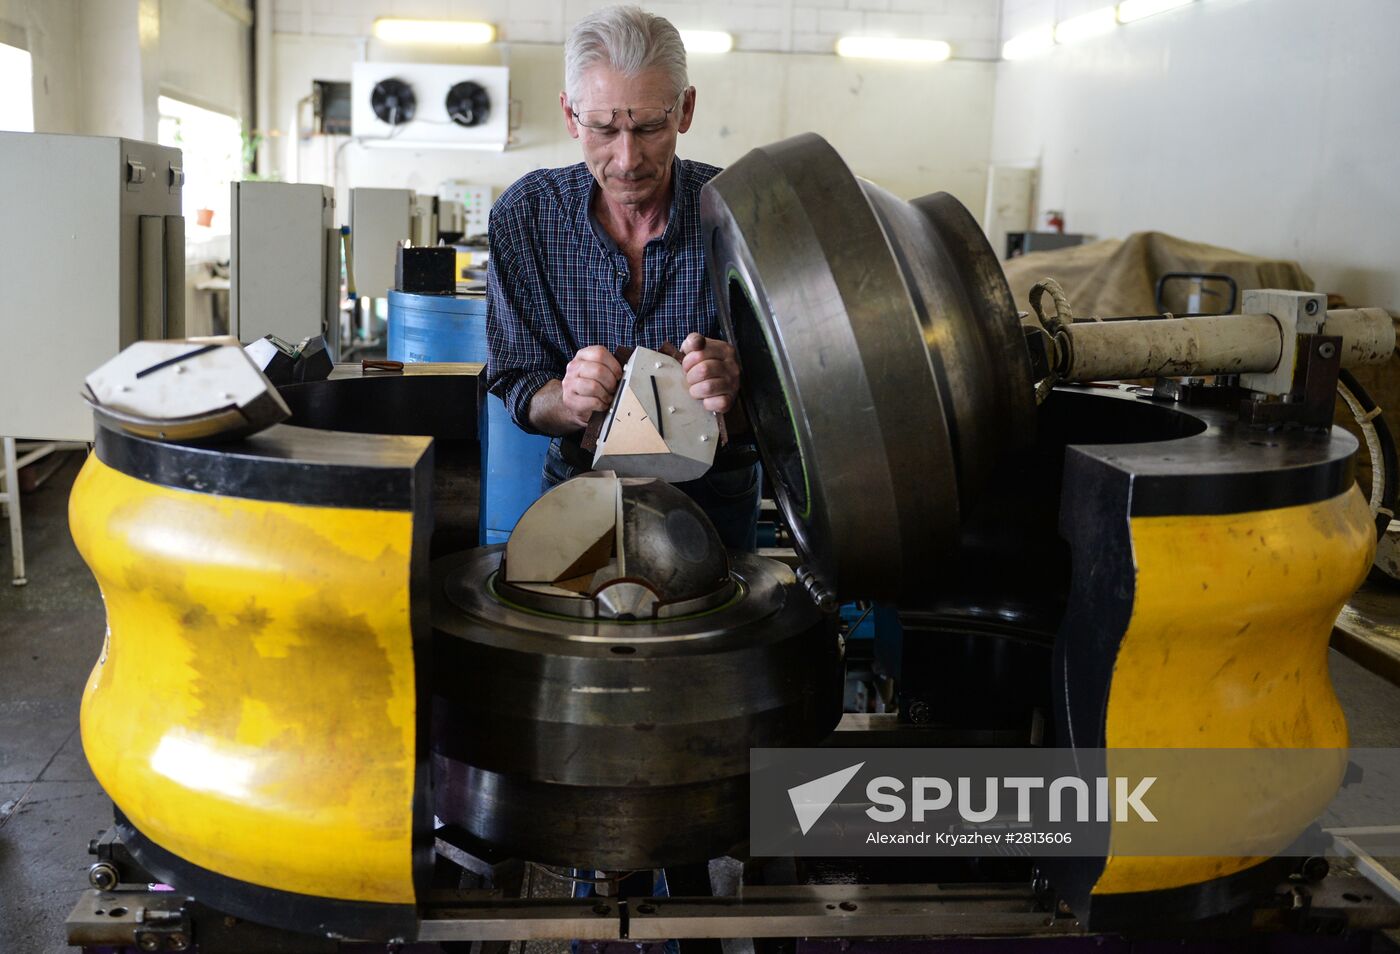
x: 312, y: 696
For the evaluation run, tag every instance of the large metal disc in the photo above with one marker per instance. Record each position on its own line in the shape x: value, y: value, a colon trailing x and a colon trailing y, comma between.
x: 884, y: 368
x: 599, y: 743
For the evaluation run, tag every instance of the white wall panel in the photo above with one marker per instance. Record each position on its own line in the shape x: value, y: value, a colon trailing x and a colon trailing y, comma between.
x: 1270, y: 126
x: 913, y: 128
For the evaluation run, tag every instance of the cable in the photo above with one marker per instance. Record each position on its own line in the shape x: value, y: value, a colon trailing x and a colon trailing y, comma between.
x: 1380, y: 444
x: 1052, y: 326
x: 1064, y: 315
x: 395, y: 128
x: 855, y: 626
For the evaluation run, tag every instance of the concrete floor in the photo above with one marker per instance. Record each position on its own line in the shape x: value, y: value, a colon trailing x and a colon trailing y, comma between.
x: 50, y: 806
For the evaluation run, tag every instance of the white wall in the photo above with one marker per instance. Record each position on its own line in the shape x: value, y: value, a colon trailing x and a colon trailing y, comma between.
x: 116, y: 67
x: 99, y: 65
x: 1270, y: 126
x: 48, y: 29
x: 913, y: 129
x: 204, y: 56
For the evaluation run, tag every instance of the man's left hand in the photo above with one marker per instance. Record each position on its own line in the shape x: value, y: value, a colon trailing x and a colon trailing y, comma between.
x: 712, y: 371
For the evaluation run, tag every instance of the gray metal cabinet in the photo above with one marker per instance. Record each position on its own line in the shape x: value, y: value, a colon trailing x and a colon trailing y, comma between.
x: 285, y: 278
x: 92, y: 258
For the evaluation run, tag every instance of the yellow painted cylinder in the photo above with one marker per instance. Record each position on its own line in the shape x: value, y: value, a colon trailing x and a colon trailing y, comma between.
x: 253, y: 708
x: 1226, y: 648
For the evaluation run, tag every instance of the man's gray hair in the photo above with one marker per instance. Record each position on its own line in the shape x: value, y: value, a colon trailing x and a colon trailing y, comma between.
x: 628, y: 39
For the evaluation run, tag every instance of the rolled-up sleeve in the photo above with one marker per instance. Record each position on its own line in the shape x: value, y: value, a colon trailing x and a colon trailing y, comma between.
x: 522, y: 358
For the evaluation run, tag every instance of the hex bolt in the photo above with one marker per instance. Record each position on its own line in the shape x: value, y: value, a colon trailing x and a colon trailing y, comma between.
x: 1311, y: 306
x: 1326, y: 349
x: 103, y: 876
x: 147, y: 941
x: 177, y: 942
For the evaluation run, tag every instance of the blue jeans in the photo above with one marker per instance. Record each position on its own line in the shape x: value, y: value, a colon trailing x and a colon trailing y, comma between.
x: 730, y: 498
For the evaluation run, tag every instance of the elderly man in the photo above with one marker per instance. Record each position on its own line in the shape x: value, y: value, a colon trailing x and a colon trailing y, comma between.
x: 608, y: 253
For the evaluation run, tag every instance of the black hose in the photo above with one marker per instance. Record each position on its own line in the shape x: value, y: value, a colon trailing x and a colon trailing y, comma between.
x: 1387, y: 442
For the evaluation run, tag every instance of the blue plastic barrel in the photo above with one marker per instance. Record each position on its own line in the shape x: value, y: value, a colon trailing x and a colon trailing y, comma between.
x: 453, y: 328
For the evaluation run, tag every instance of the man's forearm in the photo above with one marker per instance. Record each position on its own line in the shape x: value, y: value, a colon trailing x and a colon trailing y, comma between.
x: 548, y: 413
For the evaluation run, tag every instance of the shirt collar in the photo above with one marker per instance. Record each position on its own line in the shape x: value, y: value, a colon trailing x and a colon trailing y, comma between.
x: 673, y: 221
x: 678, y: 205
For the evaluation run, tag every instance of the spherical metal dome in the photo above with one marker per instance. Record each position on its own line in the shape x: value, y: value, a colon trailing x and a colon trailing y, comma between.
x: 625, y: 548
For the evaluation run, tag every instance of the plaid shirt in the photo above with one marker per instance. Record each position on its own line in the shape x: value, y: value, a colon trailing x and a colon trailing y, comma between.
x: 556, y: 279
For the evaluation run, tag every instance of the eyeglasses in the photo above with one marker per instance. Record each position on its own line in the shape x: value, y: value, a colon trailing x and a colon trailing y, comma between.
x: 645, y: 119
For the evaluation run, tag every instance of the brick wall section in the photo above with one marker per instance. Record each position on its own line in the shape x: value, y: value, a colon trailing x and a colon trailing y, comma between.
x: 796, y: 26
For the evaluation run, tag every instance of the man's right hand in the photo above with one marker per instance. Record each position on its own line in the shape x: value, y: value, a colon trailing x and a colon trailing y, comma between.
x: 590, y: 381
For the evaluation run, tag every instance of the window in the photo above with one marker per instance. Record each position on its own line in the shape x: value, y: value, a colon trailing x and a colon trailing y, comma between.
x: 16, y: 90
x: 212, y: 146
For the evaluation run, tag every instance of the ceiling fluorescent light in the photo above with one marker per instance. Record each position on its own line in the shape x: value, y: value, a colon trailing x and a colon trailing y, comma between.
x: 437, y: 32
x: 707, y: 41
x: 1030, y: 43
x: 1093, y: 23
x: 1130, y: 10
x: 893, y: 48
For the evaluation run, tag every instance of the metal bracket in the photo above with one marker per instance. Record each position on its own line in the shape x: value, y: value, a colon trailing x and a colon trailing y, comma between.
x: 1347, y: 843
x: 1335, y: 905
x: 114, y: 864
x: 1224, y: 391
x: 1041, y: 349
x: 1312, y: 393
x: 135, y: 174
x: 146, y: 920
x: 1297, y: 313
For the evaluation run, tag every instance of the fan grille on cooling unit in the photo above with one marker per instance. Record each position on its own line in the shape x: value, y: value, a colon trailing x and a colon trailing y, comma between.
x: 468, y: 104
x: 393, y: 101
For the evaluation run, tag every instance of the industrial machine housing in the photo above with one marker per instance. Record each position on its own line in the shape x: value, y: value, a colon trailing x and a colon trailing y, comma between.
x: 306, y: 663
